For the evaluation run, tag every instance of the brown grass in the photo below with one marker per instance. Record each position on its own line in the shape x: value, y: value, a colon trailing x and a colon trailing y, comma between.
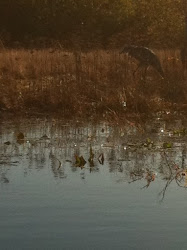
x: 96, y: 83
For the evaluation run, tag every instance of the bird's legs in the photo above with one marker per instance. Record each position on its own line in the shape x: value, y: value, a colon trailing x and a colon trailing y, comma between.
x: 144, y: 73
x: 136, y: 70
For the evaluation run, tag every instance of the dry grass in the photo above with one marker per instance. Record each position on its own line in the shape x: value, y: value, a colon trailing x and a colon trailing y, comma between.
x: 88, y: 84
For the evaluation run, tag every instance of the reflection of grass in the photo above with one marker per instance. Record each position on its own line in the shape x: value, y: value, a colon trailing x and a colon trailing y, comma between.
x: 94, y: 83
x: 102, y: 149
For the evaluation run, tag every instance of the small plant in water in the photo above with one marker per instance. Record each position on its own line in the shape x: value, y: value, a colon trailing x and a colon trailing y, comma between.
x: 79, y: 161
x: 167, y: 145
x: 91, y: 157
x: 148, y: 143
x: 20, y: 138
x: 180, y: 132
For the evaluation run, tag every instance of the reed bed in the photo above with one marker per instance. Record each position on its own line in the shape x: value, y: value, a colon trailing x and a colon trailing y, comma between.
x: 95, y: 83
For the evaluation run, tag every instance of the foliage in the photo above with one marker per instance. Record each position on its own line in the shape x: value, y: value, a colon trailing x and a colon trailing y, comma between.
x: 92, y: 22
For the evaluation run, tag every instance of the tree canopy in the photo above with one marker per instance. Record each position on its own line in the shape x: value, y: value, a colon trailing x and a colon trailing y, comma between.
x: 93, y: 22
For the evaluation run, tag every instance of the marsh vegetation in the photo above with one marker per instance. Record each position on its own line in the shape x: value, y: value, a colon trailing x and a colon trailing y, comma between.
x: 97, y: 83
x: 157, y: 151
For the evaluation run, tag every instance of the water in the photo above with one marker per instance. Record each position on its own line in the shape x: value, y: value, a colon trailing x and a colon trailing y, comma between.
x: 49, y: 202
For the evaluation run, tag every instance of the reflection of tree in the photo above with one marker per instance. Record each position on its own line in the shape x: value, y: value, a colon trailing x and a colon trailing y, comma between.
x: 183, y: 156
x: 3, y: 178
x: 147, y: 174
x: 176, y: 173
x: 112, y: 160
x: 6, y: 162
x: 56, y: 167
x: 144, y: 165
x: 94, y: 169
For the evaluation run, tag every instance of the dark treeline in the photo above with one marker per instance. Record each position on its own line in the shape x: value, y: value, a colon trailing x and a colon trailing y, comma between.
x: 91, y: 23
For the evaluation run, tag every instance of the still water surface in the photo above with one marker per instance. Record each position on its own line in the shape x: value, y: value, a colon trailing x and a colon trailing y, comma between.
x: 130, y: 195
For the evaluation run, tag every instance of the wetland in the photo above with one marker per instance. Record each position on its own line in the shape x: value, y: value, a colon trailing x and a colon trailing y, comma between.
x: 67, y: 185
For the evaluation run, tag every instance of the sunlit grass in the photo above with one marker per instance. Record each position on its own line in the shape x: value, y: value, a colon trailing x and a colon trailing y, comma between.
x: 88, y: 83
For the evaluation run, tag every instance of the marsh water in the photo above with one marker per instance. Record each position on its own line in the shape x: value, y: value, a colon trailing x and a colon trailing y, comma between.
x: 70, y: 185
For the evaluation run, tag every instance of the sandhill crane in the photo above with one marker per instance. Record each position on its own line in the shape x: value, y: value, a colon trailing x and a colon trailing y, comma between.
x: 146, y: 58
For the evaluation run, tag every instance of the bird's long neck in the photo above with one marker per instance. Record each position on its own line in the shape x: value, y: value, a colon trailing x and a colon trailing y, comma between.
x: 126, y: 50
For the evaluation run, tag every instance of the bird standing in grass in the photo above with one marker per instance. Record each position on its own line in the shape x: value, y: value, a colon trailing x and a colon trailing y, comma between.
x: 146, y: 58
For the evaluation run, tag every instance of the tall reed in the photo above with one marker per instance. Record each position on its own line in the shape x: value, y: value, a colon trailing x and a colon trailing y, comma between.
x: 97, y: 82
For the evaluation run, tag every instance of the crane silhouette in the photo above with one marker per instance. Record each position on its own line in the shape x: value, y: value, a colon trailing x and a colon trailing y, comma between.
x: 146, y: 58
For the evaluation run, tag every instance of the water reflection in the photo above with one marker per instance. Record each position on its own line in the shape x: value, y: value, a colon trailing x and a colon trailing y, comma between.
x: 155, y: 153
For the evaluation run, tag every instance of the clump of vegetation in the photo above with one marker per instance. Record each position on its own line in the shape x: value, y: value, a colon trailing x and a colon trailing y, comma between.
x: 81, y: 84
